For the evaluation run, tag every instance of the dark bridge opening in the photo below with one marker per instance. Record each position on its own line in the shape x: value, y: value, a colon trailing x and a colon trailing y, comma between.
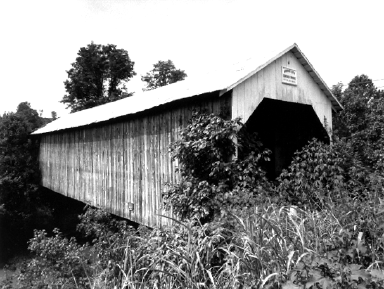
x: 285, y: 127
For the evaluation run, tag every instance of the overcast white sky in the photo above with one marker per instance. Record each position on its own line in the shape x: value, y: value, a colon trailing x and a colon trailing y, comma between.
x: 40, y: 39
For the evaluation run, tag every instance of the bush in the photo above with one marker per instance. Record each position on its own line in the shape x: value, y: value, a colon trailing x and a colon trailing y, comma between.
x: 65, y: 262
x: 322, y: 175
x: 214, y: 182
x: 314, y: 177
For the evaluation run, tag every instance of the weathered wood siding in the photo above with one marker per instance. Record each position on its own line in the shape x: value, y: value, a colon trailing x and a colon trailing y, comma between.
x: 114, y: 164
x: 267, y: 83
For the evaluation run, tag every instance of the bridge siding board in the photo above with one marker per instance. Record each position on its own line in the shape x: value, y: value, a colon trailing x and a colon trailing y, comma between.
x: 114, y: 164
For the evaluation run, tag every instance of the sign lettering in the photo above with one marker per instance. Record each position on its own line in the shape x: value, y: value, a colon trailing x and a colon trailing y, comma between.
x: 289, y: 75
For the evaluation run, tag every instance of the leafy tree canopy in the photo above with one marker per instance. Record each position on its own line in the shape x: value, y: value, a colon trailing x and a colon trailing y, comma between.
x: 97, y: 77
x: 163, y: 73
x: 19, y: 173
x: 30, y: 115
x: 21, y: 206
x: 361, y: 123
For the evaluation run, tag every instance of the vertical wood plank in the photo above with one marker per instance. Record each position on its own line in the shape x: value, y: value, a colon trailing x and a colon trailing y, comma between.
x: 103, y: 167
x: 125, y: 212
x: 64, y: 177
x: 136, y: 189
x: 84, y: 172
x: 90, y: 165
x: 99, y: 181
x: 113, y: 192
x: 70, y: 164
x: 145, y: 171
x: 111, y: 163
x: 120, y: 166
x: 149, y: 180
x: 95, y: 187
x: 154, y: 171
x: 130, y: 158
x: 136, y: 170
x: 130, y: 162
x: 75, y: 165
x: 260, y: 84
x: 141, y: 169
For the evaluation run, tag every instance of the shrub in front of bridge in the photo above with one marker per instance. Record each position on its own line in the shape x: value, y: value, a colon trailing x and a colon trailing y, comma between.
x: 59, y: 261
x: 315, y: 177
x: 220, y: 168
x: 331, y: 177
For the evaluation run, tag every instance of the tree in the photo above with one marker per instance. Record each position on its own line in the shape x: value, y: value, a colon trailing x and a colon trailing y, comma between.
x: 361, y: 123
x: 163, y: 73
x: 356, y: 98
x: 337, y: 90
x: 20, y: 203
x: 31, y: 116
x: 19, y: 170
x: 98, y: 76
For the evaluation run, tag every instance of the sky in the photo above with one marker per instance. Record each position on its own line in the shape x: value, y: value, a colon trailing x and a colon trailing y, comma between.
x: 40, y: 39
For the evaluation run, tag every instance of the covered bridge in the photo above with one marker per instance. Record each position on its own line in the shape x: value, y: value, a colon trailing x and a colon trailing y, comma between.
x: 115, y: 156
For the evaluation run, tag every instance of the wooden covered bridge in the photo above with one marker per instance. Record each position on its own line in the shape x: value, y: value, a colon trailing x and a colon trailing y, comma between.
x: 115, y: 156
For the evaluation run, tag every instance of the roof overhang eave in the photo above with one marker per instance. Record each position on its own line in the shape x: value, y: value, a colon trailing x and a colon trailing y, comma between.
x: 336, y: 105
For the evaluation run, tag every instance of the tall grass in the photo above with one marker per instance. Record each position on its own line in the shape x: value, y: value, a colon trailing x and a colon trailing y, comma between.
x: 261, y: 249
x: 269, y: 242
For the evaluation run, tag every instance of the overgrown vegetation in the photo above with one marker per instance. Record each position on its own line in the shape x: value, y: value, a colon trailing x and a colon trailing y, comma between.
x: 214, y: 182
x: 320, y: 225
x: 273, y: 246
x: 20, y: 203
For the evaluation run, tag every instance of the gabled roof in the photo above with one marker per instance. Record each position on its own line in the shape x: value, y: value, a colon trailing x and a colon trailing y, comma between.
x: 222, y: 81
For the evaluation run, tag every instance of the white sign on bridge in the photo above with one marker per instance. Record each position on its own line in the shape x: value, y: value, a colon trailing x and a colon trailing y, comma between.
x: 289, y: 75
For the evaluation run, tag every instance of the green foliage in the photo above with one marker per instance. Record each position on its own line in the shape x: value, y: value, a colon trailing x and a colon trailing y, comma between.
x: 352, y: 256
x: 212, y: 180
x: 272, y: 247
x: 62, y: 261
x: 163, y: 73
x: 294, y: 248
x: 98, y: 76
x: 120, y: 257
x: 314, y: 177
x: 321, y: 176
x: 57, y: 261
x: 361, y: 122
x: 19, y: 172
x: 20, y: 204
